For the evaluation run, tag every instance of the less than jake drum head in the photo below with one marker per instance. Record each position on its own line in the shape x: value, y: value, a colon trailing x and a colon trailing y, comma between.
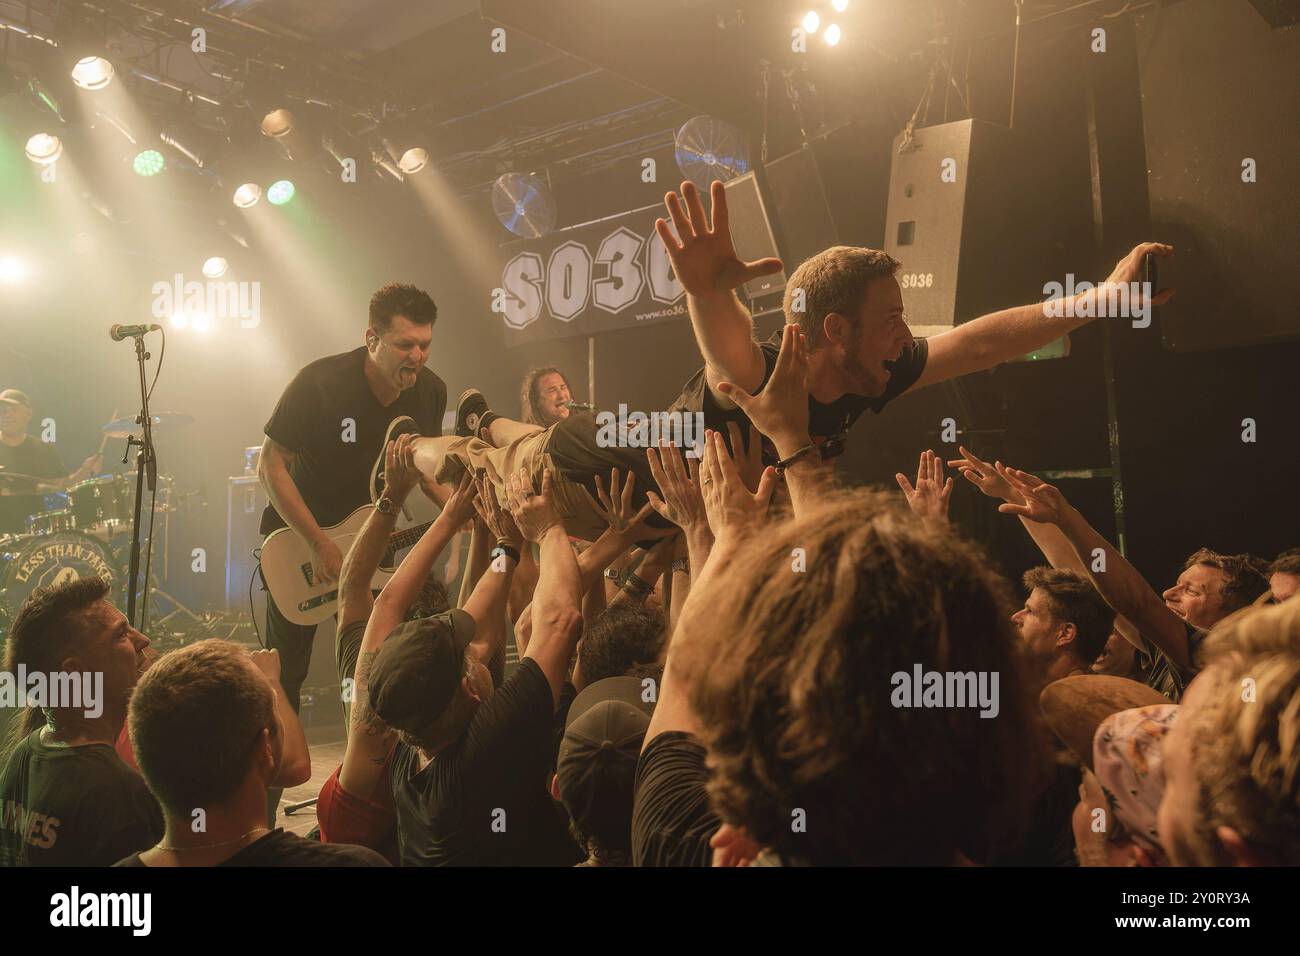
x: 51, y: 559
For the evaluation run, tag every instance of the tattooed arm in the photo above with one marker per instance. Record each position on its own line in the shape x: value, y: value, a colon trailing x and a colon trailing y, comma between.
x: 370, y: 740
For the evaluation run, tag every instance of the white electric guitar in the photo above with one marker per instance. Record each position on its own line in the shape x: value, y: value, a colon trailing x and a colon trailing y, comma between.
x: 286, y: 566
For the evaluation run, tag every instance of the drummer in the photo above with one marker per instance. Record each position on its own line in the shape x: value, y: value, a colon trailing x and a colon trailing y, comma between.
x: 22, y: 454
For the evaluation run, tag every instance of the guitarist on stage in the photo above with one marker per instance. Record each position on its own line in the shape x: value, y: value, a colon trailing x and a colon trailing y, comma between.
x: 328, y: 430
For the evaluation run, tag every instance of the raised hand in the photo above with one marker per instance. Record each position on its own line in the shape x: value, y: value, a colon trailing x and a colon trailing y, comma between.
x: 780, y: 410
x: 459, y: 508
x: 616, y: 506
x: 929, y: 499
x: 703, y: 256
x: 730, y: 506
x: 682, y: 503
x: 1043, y: 503
x: 533, y: 512
x: 500, y: 525
x: 985, y: 477
x: 749, y: 458
x: 400, y: 474
x: 1129, y: 270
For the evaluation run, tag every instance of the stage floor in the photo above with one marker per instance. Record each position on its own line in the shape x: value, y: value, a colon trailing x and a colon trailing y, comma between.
x: 324, y: 758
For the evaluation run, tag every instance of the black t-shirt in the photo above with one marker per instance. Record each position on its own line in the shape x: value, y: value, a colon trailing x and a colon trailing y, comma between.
x: 73, y: 806
x: 32, y: 457
x: 333, y: 475
x: 483, y: 801
x: 279, y: 848
x: 672, y: 821
x: 824, y: 420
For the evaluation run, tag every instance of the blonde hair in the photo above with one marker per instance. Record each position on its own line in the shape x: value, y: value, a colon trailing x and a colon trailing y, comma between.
x: 1246, y: 736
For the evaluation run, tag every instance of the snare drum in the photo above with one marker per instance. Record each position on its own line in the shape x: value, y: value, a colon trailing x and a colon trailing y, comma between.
x: 98, y: 503
x: 51, y: 522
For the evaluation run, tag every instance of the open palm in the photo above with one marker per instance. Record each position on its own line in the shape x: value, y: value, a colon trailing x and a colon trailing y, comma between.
x: 703, y: 255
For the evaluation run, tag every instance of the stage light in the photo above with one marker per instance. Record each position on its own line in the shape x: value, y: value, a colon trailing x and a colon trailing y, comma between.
x: 413, y: 160
x: 215, y: 267
x: 832, y: 35
x: 840, y: 5
x: 92, y: 73
x: 278, y: 123
x: 179, y: 321
x: 11, y: 270
x: 44, y: 149
x: 148, y: 162
x: 811, y: 21
x: 280, y: 192
x: 247, y: 195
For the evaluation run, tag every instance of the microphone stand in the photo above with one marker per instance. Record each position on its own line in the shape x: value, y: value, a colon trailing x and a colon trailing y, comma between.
x: 146, y: 468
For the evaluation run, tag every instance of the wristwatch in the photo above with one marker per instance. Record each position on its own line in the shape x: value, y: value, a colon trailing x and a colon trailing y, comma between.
x: 613, y: 575
x: 386, y: 505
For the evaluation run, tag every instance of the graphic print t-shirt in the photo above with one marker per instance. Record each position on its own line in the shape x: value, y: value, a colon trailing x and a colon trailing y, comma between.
x: 328, y: 403
x: 73, y: 806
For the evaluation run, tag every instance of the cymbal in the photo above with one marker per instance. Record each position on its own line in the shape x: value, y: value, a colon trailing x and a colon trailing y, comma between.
x: 126, y: 427
x: 12, y: 483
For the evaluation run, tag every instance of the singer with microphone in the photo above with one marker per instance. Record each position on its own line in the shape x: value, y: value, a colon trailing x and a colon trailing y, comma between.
x: 545, y: 397
x: 21, y: 454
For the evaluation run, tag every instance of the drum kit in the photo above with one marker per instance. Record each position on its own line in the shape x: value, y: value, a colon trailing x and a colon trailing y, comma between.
x: 82, y: 531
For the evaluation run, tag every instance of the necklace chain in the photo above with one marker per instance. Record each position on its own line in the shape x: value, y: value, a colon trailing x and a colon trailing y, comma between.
x: 210, y: 846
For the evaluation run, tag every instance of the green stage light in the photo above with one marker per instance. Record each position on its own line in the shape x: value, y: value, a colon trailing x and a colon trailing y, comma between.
x: 150, y: 162
x: 280, y: 192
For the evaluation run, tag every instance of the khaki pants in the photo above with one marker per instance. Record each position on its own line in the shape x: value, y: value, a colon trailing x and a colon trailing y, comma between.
x: 446, y: 459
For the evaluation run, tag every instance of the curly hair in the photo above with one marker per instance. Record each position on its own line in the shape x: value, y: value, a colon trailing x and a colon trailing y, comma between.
x: 621, y: 638
x: 530, y: 398
x: 790, y: 677
x: 1246, y: 752
x: 1245, y: 577
x: 396, y: 299
x: 1288, y: 562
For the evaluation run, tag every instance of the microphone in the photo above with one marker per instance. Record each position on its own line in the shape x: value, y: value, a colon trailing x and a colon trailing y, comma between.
x: 580, y: 406
x: 119, y: 332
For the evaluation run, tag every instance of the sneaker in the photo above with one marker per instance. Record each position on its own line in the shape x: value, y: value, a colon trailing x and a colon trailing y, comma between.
x: 470, y: 409
x: 402, y: 425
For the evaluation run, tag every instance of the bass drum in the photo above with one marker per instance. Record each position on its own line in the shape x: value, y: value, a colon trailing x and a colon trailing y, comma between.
x: 48, y: 560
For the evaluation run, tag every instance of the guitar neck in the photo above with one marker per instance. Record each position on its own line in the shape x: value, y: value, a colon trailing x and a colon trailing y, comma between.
x: 401, y: 540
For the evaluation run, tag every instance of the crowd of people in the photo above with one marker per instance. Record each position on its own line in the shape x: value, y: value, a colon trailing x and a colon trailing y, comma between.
x: 746, y: 663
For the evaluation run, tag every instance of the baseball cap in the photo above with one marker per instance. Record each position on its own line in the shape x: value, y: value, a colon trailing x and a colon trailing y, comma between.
x: 596, y: 767
x: 12, y: 396
x: 417, y: 671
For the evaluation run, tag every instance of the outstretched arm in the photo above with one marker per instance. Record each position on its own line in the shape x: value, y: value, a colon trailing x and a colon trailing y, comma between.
x: 780, y: 411
x: 556, y: 615
x: 1001, y: 336
x: 705, y: 262
x: 1121, y: 584
x: 362, y: 560
x: 369, y: 739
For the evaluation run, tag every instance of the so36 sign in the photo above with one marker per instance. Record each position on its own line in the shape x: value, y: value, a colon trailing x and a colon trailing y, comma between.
x: 624, y: 267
